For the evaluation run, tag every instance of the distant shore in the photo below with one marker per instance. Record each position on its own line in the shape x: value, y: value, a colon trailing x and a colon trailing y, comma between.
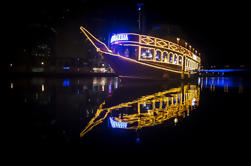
x: 246, y: 73
x: 61, y: 74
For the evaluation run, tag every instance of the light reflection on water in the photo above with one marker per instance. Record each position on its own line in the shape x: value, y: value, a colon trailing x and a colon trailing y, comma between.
x: 222, y: 83
x: 108, y: 102
x: 55, y: 102
x: 156, y: 108
x: 147, y: 110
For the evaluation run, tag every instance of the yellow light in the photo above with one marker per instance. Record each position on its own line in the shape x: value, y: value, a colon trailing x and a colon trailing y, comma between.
x: 178, y: 40
x: 42, y: 63
x: 145, y: 42
x: 132, y: 60
x: 42, y: 88
x: 87, y: 34
x: 154, y: 116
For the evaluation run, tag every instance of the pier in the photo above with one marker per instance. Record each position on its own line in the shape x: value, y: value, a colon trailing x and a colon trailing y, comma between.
x: 223, y: 72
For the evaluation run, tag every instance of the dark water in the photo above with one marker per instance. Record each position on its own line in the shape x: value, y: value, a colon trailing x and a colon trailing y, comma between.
x: 110, y: 114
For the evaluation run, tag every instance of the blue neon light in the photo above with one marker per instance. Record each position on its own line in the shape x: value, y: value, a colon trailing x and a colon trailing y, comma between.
x: 139, y: 6
x: 66, y: 82
x: 223, y: 70
x: 138, y: 140
x: 193, y: 102
x: 221, y: 82
x: 119, y: 37
x: 156, y: 28
x: 110, y: 89
x: 116, y: 124
x: 66, y: 68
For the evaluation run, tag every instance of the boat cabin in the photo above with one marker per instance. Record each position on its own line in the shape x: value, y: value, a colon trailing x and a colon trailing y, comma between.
x: 154, y: 51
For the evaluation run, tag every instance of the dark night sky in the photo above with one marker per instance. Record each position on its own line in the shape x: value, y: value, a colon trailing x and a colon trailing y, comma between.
x: 218, y: 30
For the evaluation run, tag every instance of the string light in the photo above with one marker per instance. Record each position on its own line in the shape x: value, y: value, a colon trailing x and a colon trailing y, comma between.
x: 143, y: 41
x: 178, y: 40
x: 42, y: 87
x: 155, y: 114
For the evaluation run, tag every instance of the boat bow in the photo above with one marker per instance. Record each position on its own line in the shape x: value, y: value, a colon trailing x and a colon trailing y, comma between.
x: 100, y: 46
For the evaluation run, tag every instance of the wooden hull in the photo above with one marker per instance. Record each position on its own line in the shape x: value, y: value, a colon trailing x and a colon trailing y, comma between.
x: 128, y: 68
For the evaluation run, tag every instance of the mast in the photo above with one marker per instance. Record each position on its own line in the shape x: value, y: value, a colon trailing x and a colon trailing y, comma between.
x: 140, y: 16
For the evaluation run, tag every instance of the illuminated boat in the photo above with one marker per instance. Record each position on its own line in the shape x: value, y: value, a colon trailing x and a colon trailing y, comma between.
x: 139, y: 56
x: 150, y: 110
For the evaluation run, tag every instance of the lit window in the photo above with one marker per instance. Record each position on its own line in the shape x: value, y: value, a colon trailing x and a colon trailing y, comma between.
x: 157, y: 105
x: 175, y: 59
x: 146, y: 53
x: 126, y: 53
x: 158, y: 55
x: 145, y: 107
x: 170, y: 101
x: 180, y: 60
x: 164, y: 104
x: 171, y: 58
x: 164, y: 57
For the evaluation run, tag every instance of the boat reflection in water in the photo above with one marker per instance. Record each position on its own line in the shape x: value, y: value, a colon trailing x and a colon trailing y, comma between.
x: 140, y: 109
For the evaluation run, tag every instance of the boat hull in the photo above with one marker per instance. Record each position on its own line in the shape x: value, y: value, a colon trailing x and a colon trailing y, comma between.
x: 127, y: 68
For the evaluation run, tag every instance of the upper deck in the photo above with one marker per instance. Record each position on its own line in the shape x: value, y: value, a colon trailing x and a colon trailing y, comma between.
x: 151, y: 49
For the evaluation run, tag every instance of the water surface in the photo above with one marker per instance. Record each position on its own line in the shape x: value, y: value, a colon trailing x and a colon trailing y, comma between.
x: 111, y: 114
